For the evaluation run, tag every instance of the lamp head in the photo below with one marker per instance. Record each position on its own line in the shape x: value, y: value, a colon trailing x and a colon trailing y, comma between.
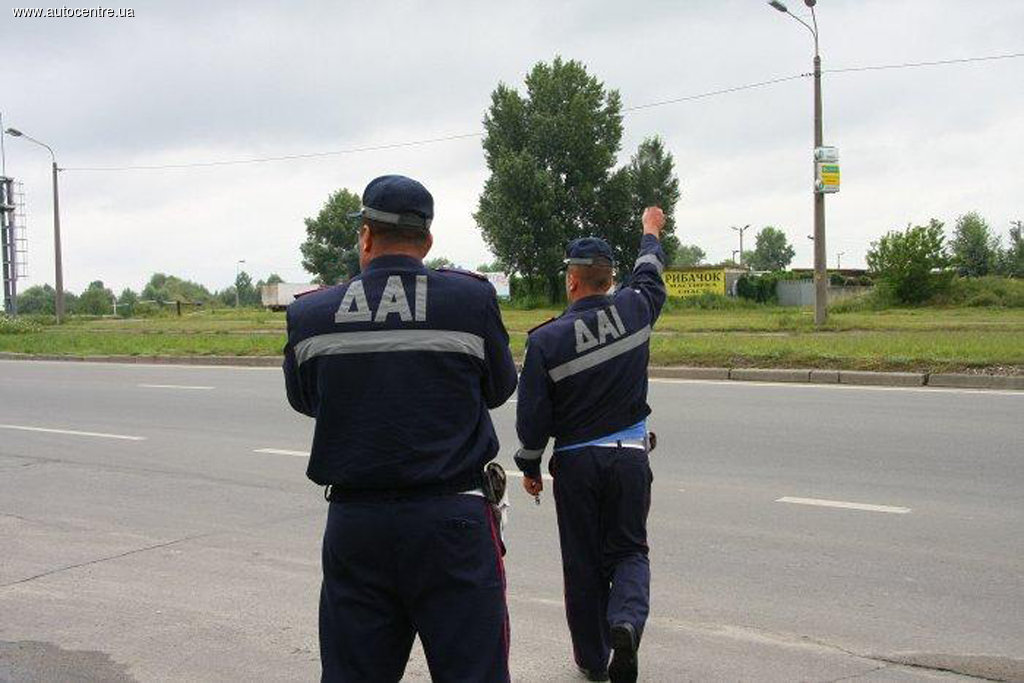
x: 810, y: 3
x: 778, y: 5
x: 14, y: 132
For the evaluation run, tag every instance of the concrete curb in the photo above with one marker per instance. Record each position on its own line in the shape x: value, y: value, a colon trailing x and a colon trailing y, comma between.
x: 885, y: 379
x: 853, y: 377
x: 786, y: 375
x: 688, y: 373
x: 769, y: 375
x: 975, y: 381
x: 824, y: 376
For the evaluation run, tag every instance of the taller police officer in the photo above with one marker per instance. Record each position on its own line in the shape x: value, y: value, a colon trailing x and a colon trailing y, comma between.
x: 584, y: 382
x: 399, y: 366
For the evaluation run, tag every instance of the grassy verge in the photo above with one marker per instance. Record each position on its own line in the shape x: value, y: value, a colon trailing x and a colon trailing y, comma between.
x: 926, y: 339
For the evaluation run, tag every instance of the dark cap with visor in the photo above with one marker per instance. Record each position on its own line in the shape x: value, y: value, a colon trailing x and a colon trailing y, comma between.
x: 399, y: 201
x: 589, y: 251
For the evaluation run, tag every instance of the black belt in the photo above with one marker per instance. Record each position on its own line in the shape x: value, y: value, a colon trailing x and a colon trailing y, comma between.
x: 466, y: 482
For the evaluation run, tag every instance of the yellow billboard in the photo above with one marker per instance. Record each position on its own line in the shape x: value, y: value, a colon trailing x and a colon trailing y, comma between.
x: 694, y: 282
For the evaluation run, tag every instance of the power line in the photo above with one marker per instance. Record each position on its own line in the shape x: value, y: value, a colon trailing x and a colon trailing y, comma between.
x: 713, y: 93
x: 285, y: 157
x: 465, y: 136
x: 912, y: 65
x: 411, y: 143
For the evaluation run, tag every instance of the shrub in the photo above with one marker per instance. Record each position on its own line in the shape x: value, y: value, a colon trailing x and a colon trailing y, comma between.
x: 911, y: 265
x: 708, y: 302
x: 983, y: 291
x: 759, y: 288
x: 9, y: 325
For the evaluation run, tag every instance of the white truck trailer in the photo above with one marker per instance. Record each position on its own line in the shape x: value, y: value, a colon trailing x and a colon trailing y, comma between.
x: 278, y: 296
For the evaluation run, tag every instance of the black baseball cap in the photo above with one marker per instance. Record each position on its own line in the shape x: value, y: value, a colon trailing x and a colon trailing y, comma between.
x: 589, y: 251
x: 397, y: 200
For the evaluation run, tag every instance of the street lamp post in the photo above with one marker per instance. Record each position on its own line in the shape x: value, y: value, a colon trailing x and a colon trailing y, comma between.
x: 820, y: 265
x: 741, y: 231
x: 839, y: 259
x: 237, y: 273
x: 57, y: 261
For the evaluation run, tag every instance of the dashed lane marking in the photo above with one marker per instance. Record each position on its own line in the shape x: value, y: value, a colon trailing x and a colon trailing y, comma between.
x: 845, y: 505
x: 281, y: 451
x: 72, y: 432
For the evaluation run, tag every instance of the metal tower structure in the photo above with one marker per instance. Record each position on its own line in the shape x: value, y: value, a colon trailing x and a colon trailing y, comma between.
x: 13, y: 243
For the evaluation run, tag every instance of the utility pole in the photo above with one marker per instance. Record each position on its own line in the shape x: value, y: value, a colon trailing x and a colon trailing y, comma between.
x: 820, y: 265
x: 741, y: 231
x: 57, y: 261
x: 820, y: 186
x: 237, y: 273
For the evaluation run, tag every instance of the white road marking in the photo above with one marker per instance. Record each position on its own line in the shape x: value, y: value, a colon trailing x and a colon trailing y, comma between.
x: 280, y: 451
x: 844, y: 505
x: 519, y: 475
x: 175, y: 386
x: 72, y: 432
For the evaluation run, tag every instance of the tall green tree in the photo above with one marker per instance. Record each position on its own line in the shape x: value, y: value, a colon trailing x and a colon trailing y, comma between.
x: 126, y: 302
x: 165, y: 288
x: 551, y: 153
x: 330, y: 250
x: 651, y: 182
x: 1011, y: 261
x: 248, y: 294
x: 975, y: 249
x: 772, y: 251
x: 97, y: 299
x: 688, y: 256
x: 911, y: 264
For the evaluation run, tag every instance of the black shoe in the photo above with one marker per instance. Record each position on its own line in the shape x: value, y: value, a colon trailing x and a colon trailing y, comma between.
x: 593, y: 675
x: 624, y: 660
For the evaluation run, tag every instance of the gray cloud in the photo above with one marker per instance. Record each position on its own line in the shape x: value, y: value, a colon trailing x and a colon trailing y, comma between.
x: 194, y: 81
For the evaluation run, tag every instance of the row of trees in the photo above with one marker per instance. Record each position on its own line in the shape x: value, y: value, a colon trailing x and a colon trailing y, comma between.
x: 162, y: 289
x: 916, y: 264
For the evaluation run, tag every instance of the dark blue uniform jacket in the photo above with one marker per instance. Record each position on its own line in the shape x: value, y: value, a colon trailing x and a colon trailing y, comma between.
x: 585, y: 373
x: 399, y: 367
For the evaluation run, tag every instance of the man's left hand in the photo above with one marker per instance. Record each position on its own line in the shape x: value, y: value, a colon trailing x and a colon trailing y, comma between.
x: 532, y: 485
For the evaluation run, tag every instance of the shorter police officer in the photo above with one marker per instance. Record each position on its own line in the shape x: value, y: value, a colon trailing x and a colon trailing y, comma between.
x: 399, y: 366
x: 584, y: 383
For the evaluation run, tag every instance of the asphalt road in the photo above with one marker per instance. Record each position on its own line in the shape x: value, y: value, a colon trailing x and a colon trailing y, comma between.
x: 190, y: 550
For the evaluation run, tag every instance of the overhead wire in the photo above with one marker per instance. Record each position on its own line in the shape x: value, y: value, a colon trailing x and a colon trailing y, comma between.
x: 465, y: 136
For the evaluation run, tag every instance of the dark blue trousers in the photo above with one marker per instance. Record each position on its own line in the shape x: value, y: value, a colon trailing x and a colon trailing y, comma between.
x: 394, y: 569
x: 602, y: 496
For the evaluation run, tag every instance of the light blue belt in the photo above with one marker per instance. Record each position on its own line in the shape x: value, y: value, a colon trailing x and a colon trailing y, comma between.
x: 634, y: 436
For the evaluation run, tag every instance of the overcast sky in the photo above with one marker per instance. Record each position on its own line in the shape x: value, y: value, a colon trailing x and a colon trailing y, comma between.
x: 191, y: 81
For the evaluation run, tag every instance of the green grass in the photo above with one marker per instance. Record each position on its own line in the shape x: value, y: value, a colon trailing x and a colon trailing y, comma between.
x: 925, y: 339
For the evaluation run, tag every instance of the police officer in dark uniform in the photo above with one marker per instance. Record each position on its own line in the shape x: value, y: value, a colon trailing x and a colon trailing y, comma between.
x: 399, y: 366
x: 584, y: 383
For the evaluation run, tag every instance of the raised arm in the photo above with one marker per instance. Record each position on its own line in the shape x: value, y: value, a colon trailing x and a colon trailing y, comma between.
x: 650, y: 263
